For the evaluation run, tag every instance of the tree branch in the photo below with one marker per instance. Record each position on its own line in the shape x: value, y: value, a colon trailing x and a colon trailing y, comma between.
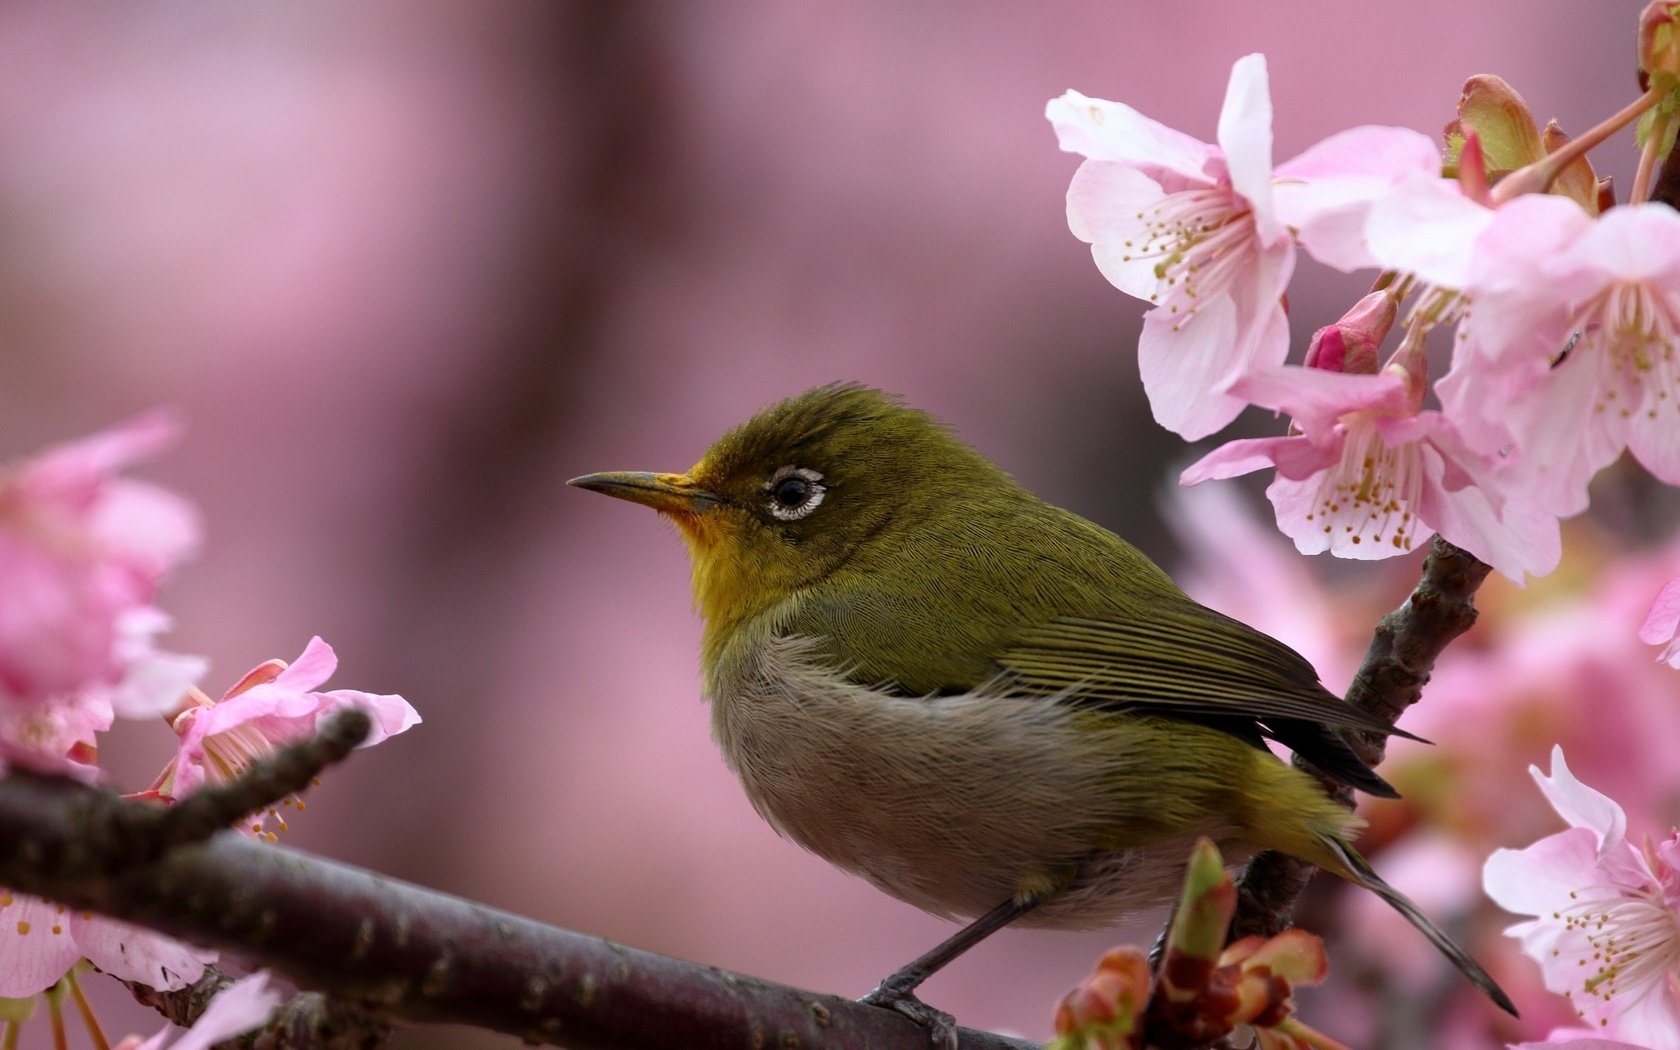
x: 404, y: 953
x: 1402, y: 654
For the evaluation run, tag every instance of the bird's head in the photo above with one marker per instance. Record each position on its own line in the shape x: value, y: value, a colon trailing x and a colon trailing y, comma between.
x: 828, y: 479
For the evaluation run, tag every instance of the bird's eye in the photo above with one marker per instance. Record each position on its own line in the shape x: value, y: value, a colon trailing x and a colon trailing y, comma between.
x: 794, y: 492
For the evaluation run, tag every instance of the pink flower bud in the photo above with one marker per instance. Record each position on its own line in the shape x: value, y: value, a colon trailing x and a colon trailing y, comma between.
x: 1351, y: 344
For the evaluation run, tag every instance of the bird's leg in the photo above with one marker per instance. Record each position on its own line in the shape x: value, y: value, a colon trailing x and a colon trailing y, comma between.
x: 897, y: 992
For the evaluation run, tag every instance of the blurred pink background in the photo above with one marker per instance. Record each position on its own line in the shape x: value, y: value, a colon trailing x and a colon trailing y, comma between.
x: 405, y: 267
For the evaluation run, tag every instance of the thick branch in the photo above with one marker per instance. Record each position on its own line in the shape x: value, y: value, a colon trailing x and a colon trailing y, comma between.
x: 405, y: 953
x: 1402, y: 654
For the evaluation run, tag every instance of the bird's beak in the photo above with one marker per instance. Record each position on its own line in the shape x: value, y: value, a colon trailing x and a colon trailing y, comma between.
x: 671, y: 493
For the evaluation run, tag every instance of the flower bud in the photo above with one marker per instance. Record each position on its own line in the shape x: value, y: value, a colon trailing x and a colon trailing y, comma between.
x: 1509, y: 136
x: 1106, y: 1009
x: 1351, y: 344
x: 1659, y: 40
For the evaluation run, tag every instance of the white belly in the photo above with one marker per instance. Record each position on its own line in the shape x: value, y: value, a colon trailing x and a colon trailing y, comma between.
x: 951, y: 803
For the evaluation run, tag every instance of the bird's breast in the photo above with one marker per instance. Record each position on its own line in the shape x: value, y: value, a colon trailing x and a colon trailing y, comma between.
x: 952, y: 803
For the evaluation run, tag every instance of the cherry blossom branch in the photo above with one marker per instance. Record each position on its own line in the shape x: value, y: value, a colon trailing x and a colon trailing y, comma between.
x: 1398, y: 663
x: 403, y: 953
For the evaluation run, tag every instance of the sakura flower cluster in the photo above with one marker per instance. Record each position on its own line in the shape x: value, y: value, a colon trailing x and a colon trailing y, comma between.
x: 83, y: 551
x: 1567, y: 319
x: 1606, y: 915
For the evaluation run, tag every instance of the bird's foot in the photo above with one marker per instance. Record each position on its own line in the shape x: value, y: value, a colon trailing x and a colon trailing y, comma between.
x: 893, y: 995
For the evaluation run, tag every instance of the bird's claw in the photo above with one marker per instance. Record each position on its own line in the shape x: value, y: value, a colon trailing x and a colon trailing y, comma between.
x: 941, y: 1026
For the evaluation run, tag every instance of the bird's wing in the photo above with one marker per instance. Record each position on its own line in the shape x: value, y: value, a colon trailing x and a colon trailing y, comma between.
x: 1186, y: 661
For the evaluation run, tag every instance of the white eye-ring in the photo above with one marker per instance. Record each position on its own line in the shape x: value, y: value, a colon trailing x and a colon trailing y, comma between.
x: 794, y: 492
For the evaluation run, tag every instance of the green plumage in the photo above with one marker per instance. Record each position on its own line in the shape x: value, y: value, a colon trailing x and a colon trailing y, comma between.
x: 940, y: 572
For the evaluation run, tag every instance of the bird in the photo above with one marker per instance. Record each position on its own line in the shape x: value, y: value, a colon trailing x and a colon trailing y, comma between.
x: 986, y: 705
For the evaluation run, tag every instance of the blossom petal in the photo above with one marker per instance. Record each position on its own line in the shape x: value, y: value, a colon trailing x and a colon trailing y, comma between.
x: 1294, y: 456
x: 1183, y: 364
x: 1326, y: 194
x: 1427, y: 227
x: 1662, y: 625
x: 1104, y: 203
x: 390, y: 714
x: 1245, y: 135
x: 238, y: 1008
x: 32, y: 956
x: 1640, y: 242
x: 133, y: 953
x: 1103, y: 130
x: 1536, y: 880
x: 1580, y: 805
x: 1653, y: 431
x: 1516, y: 537
x: 1318, y: 398
x: 1368, y: 150
x: 311, y: 669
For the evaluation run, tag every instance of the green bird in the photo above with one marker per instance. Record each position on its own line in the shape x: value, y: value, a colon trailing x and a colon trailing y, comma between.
x: 987, y: 706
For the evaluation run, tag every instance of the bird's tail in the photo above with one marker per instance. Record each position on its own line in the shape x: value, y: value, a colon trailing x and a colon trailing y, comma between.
x: 1356, y: 869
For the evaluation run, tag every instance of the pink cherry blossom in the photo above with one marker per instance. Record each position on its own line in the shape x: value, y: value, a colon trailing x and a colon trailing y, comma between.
x: 241, y: 1006
x: 1571, y: 350
x: 40, y: 941
x: 1371, y: 476
x: 1606, y: 932
x: 1194, y: 229
x: 1662, y: 626
x: 81, y: 551
x: 272, y: 705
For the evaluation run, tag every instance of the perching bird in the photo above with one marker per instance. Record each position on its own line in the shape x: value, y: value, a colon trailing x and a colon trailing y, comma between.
x: 986, y: 705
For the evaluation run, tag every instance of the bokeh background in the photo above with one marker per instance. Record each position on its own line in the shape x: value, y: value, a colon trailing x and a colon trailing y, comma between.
x: 406, y: 266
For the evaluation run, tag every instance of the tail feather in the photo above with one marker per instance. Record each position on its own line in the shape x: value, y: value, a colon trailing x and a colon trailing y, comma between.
x: 1358, y: 870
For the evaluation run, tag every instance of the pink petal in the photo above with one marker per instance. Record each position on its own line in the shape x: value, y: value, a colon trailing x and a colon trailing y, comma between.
x: 132, y: 953
x: 1580, y: 805
x: 1327, y: 193
x: 1103, y: 130
x: 1427, y: 227
x: 236, y: 1009
x: 391, y: 714
x: 1245, y: 134
x: 32, y: 957
x: 1318, y: 398
x: 1639, y: 243
x: 311, y: 669
x: 1185, y: 366
x: 1539, y: 879
x: 1662, y: 625
x: 1369, y: 150
x: 1246, y: 455
x: 89, y: 460
x: 149, y: 526
x: 1653, y: 432
x: 270, y: 706
x: 1652, y: 1019
x: 1519, y: 539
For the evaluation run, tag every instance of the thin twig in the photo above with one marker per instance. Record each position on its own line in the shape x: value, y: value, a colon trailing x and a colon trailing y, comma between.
x: 1402, y: 654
